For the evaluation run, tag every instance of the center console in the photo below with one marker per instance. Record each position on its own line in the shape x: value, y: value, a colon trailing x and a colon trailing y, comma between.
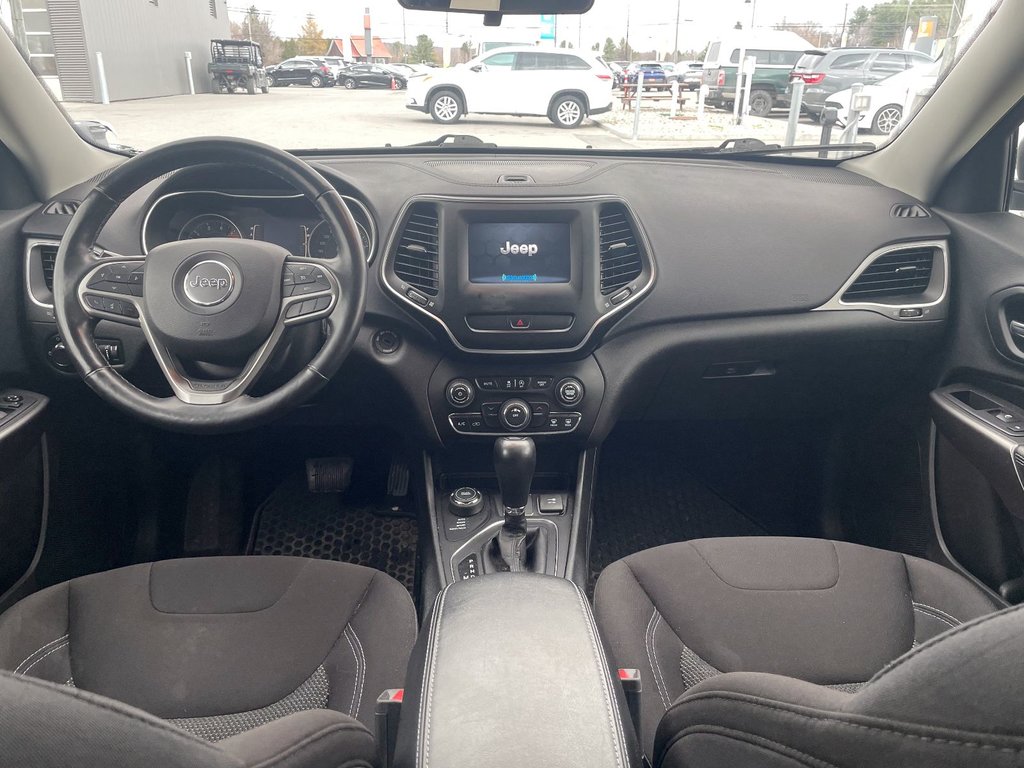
x: 516, y: 658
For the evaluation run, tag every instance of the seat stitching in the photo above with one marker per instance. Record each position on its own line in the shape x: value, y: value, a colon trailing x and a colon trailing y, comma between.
x: 312, y: 739
x: 750, y: 738
x: 747, y: 699
x: 835, y: 551
x: 652, y: 656
x: 936, y: 613
x: 614, y: 716
x: 355, y: 682
x: 427, y: 683
x: 943, y: 637
x: 52, y: 650
x: 362, y: 673
x: 41, y: 648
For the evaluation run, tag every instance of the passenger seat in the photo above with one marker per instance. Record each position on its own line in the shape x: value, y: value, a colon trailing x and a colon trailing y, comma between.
x: 786, y: 652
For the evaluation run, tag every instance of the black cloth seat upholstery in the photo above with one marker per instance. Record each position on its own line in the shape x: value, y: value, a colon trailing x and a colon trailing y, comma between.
x: 215, y: 647
x: 733, y: 634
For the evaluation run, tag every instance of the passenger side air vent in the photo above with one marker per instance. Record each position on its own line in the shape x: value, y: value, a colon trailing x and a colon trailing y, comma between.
x: 62, y: 208
x: 48, y: 257
x: 913, y: 211
x: 621, y: 262
x: 416, y: 256
x: 903, y: 273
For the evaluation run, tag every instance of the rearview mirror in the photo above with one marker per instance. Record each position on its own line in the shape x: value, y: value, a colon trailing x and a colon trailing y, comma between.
x: 493, y: 10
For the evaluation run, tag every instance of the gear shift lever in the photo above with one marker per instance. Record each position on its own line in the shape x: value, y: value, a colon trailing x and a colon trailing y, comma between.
x: 515, y: 459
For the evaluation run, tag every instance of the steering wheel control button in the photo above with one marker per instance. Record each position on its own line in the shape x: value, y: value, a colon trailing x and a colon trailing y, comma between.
x: 515, y: 415
x: 570, y: 392
x: 209, y: 283
x: 460, y: 393
x: 465, y: 502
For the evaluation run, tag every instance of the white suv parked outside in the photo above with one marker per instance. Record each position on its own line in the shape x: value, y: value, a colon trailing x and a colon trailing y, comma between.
x: 558, y: 84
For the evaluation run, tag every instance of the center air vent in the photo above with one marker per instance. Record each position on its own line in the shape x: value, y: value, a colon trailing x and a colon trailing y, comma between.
x: 416, y: 256
x: 48, y: 257
x: 621, y: 262
x: 895, y: 275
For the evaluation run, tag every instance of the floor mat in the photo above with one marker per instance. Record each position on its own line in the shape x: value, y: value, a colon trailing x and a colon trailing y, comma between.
x: 646, y: 497
x: 293, y: 521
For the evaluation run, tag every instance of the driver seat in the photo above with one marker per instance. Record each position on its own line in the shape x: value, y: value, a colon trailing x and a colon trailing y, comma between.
x: 277, y: 660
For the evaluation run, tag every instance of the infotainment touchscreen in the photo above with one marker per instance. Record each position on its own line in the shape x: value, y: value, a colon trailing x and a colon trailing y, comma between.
x: 519, y: 252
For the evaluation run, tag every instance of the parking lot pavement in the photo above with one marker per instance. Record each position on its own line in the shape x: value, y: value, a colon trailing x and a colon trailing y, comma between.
x: 299, y: 117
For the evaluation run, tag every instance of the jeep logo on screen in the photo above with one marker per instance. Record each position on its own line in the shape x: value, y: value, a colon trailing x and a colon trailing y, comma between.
x: 209, y: 283
x: 518, y: 249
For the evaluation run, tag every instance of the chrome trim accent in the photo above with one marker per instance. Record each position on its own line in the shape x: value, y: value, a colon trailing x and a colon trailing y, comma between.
x: 931, y: 310
x: 31, y: 269
x: 180, y: 384
x: 615, y: 310
x: 480, y: 534
x: 349, y: 200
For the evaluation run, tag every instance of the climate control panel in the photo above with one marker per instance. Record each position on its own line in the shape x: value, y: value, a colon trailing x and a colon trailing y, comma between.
x: 549, y: 402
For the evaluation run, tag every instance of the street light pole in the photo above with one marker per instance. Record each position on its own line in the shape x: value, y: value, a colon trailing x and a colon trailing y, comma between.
x: 675, y: 45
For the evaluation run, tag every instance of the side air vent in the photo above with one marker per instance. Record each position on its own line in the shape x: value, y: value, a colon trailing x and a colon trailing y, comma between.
x: 416, y: 257
x: 913, y: 211
x: 621, y: 262
x: 48, y: 257
x: 903, y: 273
x: 62, y: 208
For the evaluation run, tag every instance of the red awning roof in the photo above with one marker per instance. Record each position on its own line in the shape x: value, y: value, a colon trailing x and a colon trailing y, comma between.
x: 358, y: 45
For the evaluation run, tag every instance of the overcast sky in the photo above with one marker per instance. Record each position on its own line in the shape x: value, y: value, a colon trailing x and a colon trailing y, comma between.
x: 651, y: 22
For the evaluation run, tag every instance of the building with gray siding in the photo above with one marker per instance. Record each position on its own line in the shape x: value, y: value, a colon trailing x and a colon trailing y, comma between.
x: 142, y: 44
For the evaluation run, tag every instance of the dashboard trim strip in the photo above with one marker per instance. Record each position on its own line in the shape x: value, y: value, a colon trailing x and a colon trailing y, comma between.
x: 512, y: 201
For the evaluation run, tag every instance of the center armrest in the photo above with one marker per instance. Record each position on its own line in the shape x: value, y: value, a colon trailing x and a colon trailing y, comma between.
x: 510, y: 671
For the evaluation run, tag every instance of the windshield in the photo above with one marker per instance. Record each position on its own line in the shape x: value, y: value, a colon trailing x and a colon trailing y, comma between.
x: 325, y: 75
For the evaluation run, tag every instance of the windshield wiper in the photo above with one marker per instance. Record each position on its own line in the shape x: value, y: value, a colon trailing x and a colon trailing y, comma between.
x: 757, y: 148
x: 454, y: 140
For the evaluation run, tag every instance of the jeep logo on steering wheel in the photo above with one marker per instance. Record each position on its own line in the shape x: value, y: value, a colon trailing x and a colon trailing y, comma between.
x: 209, y: 283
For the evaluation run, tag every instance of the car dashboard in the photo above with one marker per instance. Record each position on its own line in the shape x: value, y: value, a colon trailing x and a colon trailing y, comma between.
x: 666, y: 287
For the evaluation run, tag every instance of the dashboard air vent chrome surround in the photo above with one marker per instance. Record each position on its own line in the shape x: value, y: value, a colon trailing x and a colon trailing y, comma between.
x: 62, y: 208
x: 47, y: 260
x: 907, y: 281
x: 417, y: 252
x: 621, y: 262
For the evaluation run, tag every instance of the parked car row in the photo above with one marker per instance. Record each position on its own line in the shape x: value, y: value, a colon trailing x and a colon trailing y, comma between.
x: 328, y: 71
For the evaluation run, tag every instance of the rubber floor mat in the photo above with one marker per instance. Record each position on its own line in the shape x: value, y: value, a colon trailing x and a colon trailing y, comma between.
x: 293, y: 521
x: 646, y: 498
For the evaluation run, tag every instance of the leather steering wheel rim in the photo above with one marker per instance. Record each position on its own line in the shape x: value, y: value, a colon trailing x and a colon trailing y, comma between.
x: 77, y: 260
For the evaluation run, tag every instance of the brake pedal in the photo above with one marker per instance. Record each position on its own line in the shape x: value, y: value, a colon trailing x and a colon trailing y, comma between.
x: 329, y: 475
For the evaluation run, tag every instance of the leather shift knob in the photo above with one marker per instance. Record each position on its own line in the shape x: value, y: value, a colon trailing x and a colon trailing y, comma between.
x: 515, y: 459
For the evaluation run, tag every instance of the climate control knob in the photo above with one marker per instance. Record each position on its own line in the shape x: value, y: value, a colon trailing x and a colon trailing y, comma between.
x: 460, y: 392
x: 569, y: 391
x: 515, y: 414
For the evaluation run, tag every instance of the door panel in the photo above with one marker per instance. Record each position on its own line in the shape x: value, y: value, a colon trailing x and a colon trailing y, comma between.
x: 978, y: 411
x: 493, y: 89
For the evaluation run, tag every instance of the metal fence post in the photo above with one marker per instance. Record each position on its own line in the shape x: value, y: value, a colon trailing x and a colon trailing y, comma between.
x: 188, y: 71
x: 853, y: 115
x: 101, y: 76
x: 795, y: 105
x: 636, y: 102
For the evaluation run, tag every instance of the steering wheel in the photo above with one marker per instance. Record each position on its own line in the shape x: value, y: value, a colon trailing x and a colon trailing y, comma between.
x: 220, y: 304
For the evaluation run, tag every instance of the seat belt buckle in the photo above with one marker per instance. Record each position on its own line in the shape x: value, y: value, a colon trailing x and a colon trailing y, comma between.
x: 389, y: 706
x: 632, y: 687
